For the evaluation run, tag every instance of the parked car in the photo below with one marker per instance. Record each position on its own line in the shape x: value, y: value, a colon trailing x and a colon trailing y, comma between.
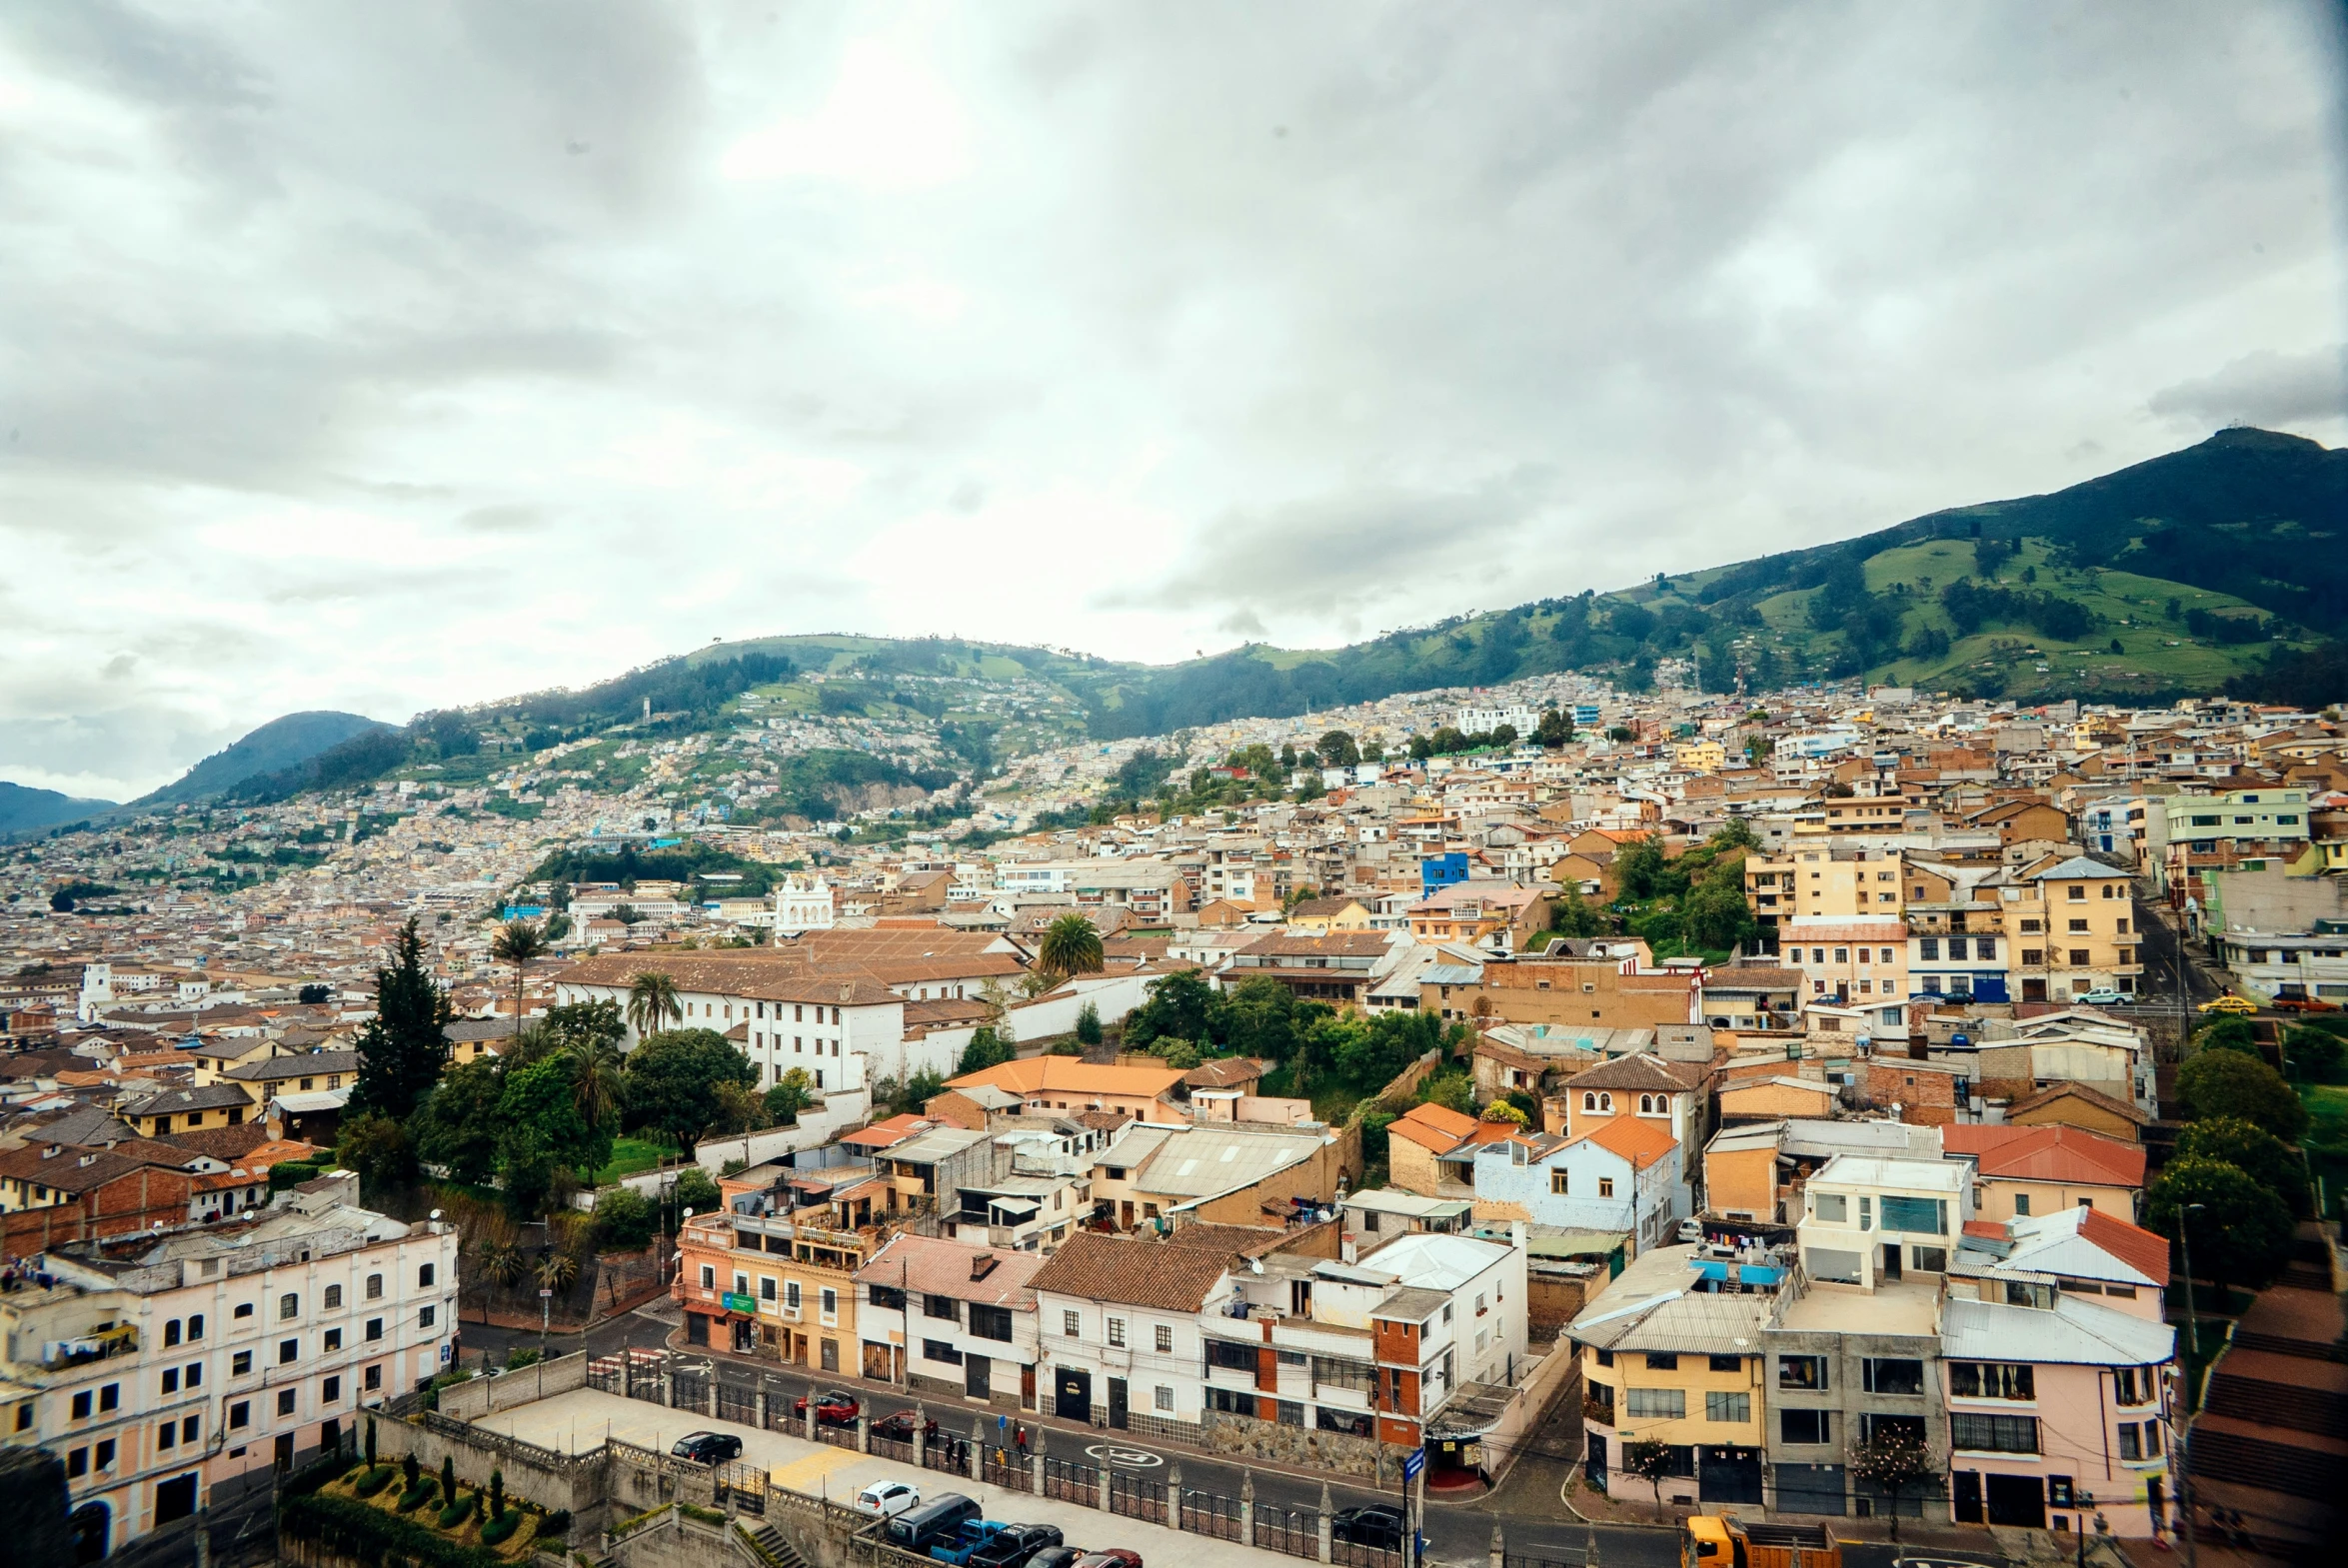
x: 939, y: 1519
x: 1691, y: 1229
x: 2104, y: 996
x: 2304, y: 1004
x: 706, y: 1448
x: 1110, y: 1557
x: 968, y: 1536
x: 898, y: 1427
x: 1015, y: 1543
x: 1055, y: 1557
x: 2238, y: 1005
x: 1373, y: 1524
x: 888, y: 1498
x: 834, y: 1407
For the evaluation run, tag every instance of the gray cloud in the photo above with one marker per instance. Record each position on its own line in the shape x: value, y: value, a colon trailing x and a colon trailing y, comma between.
x: 388, y: 357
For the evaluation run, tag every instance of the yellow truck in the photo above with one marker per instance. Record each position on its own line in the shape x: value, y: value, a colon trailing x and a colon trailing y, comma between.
x: 1707, y: 1541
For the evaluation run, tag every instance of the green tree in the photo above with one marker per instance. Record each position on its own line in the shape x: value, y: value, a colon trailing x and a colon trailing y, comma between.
x: 1089, y: 1025
x: 985, y: 1049
x: 653, y: 1003
x: 794, y: 1092
x: 1651, y: 1461
x: 378, y: 1148
x: 921, y: 1089
x: 538, y: 1113
x: 2227, y: 1032
x: 2252, y: 1149
x: 518, y: 943
x: 2228, y: 1083
x: 1643, y: 870
x: 695, y: 1191
x: 599, y: 1081
x: 741, y: 1108
x: 2315, y: 1055
x: 2241, y: 1233
x: 673, y: 1080
x: 1554, y: 728
x: 458, y: 1125
x: 578, y: 1023
x: 1338, y: 749
x: 624, y: 1218
x: 1258, y: 1017
x: 1893, y: 1460
x: 1452, y: 1090
x: 1071, y: 945
x: 403, y: 1048
x: 1717, y: 917
x: 1181, y: 1005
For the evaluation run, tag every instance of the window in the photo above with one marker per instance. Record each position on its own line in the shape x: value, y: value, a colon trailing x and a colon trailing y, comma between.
x: 1293, y: 1358
x: 1230, y: 1355
x: 1729, y: 1407
x: 1162, y: 1399
x: 1605, y: 1187
x: 941, y: 1350
x: 170, y: 1332
x: 709, y: 1277
x: 241, y: 1364
x: 240, y: 1413
x: 195, y: 1328
x: 1994, y: 1434
x: 2077, y: 894
x: 2079, y: 958
x: 167, y: 1435
x: 1163, y: 1339
x: 1068, y: 1325
x: 2132, y: 1385
x: 334, y: 1299
x: 1993, y: 1380
x: 1916, y: 1217
x: 82, y: 1405
x: 1231, y: 1401
x: 171, y: 1379
x: 827, y: 1303
x: 1898, y: 1428
x: 105, y: 1455
x: 768, y: 1288
x: 2022, y: 1204
x: 990, y: 1322
x: 426, y: 1316
x: 2131, y: 1441
x: 110, y: 1398
x: 791, y: 1295
x: 1557, y: 1183
x: 288, y: 1350
x: 1662, y: 1361
x: 375, y: 1287
x: 2078, y: 928
x: 886, y: 1296
x: 940, y: 1306
x: 1805, y: 1426
x: 289, y: 1305
x: 1116, y: 1331
x: 77, y: 1462
x: 331, y: 1390
x: 285, y: 1401
x: 2033, y: 956
x: 1727, y: 1363
x: 424, y: 1277
x: 1832, y: 1208
x: 195, y: 1374
x: 1656, y: 1404
x: 1929, y: 948
x: 1801, y: 1372
x: 375, y: 1328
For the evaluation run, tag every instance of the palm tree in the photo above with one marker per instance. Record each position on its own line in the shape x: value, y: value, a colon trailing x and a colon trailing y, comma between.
x: 1071, y: 945
x: 596, y: 1070
x: 652, y: 1002
x: 501, y: 1263
x: 557, y: 1271
x: 516, y: 943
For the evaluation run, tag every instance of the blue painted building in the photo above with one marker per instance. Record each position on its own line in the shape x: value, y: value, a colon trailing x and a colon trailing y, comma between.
x: 1439, y: 871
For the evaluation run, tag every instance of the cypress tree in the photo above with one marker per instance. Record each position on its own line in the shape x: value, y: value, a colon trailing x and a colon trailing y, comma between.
x: 402, y: 1048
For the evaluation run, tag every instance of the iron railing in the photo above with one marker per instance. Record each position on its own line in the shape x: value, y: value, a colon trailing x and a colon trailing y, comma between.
x: 1137, y: 1498
x: 1071, y: 1482
x: 1287, y: 1530
x: 1211, y: 1513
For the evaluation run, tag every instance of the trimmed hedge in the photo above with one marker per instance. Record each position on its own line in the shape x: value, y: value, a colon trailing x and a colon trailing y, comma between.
x: 374, y: 1480
x: 458, y: 1511
x: 362, y: 1530
x: 499, y: 1530
x: 416, y: 1496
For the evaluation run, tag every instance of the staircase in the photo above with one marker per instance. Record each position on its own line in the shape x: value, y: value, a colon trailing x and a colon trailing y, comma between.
x: 2275, y: 1467
x: 2307, y: 1275
x: 2275, y: 1404
x: 768, y: 1543
x: 2277, y: 1344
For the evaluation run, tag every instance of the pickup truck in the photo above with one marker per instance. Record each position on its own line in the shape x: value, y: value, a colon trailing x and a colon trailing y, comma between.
x: 968, y: 1539
x: 1707, y: 1541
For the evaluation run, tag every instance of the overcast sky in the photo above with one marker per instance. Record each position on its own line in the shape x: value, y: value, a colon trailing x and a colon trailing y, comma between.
x: 390, y: 357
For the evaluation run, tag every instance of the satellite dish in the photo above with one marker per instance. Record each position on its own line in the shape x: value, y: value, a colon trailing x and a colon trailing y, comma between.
x: 436, y: 1214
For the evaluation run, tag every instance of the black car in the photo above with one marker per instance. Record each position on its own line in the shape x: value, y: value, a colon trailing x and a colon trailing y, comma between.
x: 1373, y: 1524
x: 708, y: 1447
x: 1013, y: 1543
x: 1055, y: 1557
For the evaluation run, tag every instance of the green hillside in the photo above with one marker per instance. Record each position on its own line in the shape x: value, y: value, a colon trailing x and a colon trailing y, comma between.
x: 281, y: 743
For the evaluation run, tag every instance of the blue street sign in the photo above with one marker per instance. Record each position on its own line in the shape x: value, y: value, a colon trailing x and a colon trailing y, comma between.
x: 1414, y: 1462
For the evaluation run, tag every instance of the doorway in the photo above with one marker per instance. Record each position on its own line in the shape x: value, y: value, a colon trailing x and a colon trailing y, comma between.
x: 284, y: 1455
x: 93, y: 1530
x: 1117, y: 1403
x: 2017, y: 1500
x: 1891, y: 1251
x: 2033, y: 991
x: 1071, y: 1396
x: 978, y: 1377
x: 174, y: 1498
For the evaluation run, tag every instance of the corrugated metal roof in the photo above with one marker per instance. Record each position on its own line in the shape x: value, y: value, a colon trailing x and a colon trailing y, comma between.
x: 2075, y: 1334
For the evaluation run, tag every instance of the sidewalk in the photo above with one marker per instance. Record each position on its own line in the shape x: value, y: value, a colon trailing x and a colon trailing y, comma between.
x: 1915, y: 1536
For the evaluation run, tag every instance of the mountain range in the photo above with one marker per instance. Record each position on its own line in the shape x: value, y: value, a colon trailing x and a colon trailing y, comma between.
x: 2217, y: 566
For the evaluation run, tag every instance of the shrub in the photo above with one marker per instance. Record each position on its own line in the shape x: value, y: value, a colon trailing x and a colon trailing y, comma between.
x: 458, y: 1512
x: 517, y: 1358
x: 497, y: 1494
x: 625, y: 1219
x: 363, y: 1532
x: 695, y: 1190
x: 558, y: 1524
x: 499, y: 1530
x: 374, y: 1481
x: 418, y: 1495
x: 2317, y: 1056
x: 411, y: 1471
x: 2227, y: 1083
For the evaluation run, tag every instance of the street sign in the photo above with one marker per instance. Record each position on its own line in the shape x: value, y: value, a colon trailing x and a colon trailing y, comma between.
x: 739, y: 1303
x: 544, y: 1293
x: 1414, y: 1462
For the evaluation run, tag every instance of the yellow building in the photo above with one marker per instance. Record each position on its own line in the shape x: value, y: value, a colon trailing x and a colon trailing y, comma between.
x: 225, y: 1104
x: 1818, y: 880
x: 1662, y: 1364
x: 2071, y: 928
x: 1702, y: 756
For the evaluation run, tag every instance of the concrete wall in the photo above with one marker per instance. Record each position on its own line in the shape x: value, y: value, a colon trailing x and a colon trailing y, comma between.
x: 471, y: 1401
x: 543, y: 1476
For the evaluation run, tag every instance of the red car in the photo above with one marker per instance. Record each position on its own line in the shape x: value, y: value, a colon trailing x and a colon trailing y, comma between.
x: 2303, y: 1005
x: 832, y: 1408
x: 1110, y: 1557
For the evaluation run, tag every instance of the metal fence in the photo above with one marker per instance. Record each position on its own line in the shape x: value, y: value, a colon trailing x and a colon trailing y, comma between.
x: 1071, y: 1482
x: 1211, y: 1513
x: 947, y: 1452
x: 632, y: 1374
x: 735, y: 1403
x: 1287, y: 1530
x: 1005, y: 1468
x: 1137, y: 1498
x: 1354, y: 1554
x: 746, y: 1485
x: 1573, y: 1559
x: 891, y: 1448
x: 837, y: 1436
x: 693, y: 1389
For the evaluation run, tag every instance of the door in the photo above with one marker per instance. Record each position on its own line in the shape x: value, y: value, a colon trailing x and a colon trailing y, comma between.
x: 831, y: 1355
x: 93, y: 1529
x: 1967, y: 1498
x: 1729, y: 1474
x: 1809, y: 1488
x: 2019, y: 1500
x: 1027, y: 1388
x: 978, y: 1377
x: 330, y: 1435
x: 1891, y: 1251
x: 284, y: 1452
x: 1117, y: 1403
x: 2033, y: 991
x: 1071, y: 1396
x: 742, y: 1333
x: 174, y: 1498
x: 1124, y: 1212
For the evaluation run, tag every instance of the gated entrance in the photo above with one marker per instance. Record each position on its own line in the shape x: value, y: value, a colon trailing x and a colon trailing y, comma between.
x: 1071, y: 1395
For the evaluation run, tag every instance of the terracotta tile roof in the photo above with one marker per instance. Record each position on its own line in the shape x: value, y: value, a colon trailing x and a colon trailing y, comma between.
x: 937, y: 1266
x: 2141, y: 1249
x: 2093, y: 1096
x: 1642, y: 1144
x: 1067, y: 1074
x: 2047, y: 1153
x: 893, y: 1130
x: 1095, y: 1267
x: 1639, y: 1071
x: 1226, y: 1072
x: 1432, y: 1127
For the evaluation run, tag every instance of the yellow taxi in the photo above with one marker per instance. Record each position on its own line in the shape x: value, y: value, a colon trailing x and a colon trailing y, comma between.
x: 2233, y: 1004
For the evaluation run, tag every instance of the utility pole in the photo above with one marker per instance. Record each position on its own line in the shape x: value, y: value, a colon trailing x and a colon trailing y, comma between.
x: 2184, y: 1443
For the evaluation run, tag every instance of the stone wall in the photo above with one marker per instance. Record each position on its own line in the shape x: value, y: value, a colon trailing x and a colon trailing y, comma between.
x: 482, y: 1395
x: 550, y: 1479
x: 1243, y: 1437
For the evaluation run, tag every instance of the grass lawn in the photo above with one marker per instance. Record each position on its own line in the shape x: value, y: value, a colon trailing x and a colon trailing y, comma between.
x: 2326, y: 1140
x: 632, y: 1157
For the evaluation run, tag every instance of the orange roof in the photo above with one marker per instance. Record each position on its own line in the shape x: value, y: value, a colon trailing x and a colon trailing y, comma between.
x: 2141, y: 1249
x: 1432, y: 1127
x: 893, y: 1130
x: 1067, y: 1074
x: 1639, y: 1143
x: 2047, y: 1153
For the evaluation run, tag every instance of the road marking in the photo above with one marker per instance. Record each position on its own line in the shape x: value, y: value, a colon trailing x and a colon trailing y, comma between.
x: 1129, y: 1458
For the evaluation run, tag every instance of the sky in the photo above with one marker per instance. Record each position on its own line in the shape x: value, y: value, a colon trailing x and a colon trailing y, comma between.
x: 385, y: 358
